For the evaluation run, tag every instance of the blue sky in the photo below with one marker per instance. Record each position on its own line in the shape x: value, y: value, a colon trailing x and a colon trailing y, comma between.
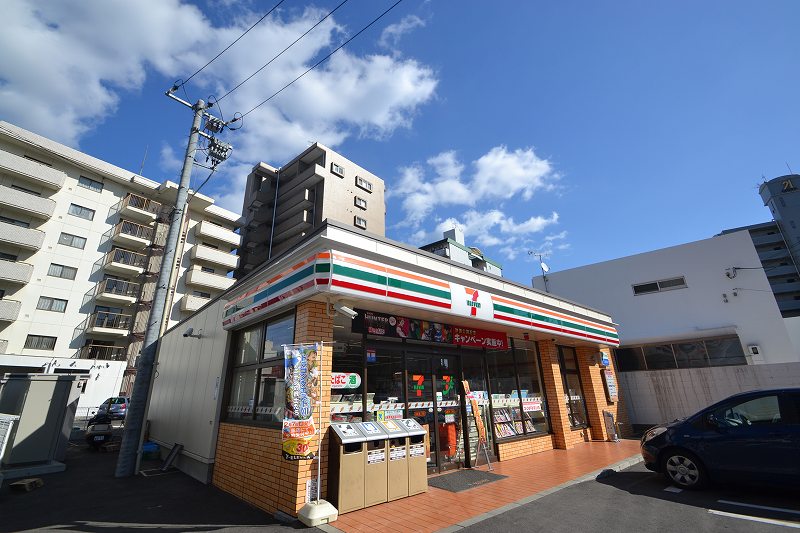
x: 587, y: 130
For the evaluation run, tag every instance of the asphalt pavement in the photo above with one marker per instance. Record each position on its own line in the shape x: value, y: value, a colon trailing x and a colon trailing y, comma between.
x: 638, y: 500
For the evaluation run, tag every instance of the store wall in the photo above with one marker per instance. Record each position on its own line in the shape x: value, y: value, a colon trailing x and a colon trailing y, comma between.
x: 249, y: 463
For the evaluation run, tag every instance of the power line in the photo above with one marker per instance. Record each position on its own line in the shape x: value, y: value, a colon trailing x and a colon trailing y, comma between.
x: 331, y: 12
x: 318, y: 63
x: 234, y: 42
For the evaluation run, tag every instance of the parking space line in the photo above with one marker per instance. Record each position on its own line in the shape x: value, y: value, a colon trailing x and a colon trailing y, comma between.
x: 784, y: 523
x: 764, y: 507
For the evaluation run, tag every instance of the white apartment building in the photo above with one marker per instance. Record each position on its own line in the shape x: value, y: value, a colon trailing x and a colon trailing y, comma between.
x: 81, y: 243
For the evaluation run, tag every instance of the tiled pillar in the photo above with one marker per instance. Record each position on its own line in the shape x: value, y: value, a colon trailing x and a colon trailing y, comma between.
x: 554, y: 388
x: 594, y: 389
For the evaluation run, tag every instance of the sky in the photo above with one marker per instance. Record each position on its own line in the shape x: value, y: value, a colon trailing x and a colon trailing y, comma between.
x: 581, y: 130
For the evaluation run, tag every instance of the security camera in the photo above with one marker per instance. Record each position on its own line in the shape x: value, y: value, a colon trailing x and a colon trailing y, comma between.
x: 188, y: 332
x: 351, y: 314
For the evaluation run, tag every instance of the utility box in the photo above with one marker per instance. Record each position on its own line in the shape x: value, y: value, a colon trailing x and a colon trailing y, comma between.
x: 417, y: 460
x: 376, y: 471
x: 346, y: 467
x: 397, y: 468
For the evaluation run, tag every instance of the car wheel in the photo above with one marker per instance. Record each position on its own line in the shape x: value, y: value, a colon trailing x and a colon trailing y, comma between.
x: 684, y: 469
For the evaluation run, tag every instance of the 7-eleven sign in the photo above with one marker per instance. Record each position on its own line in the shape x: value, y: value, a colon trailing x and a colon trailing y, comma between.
x: 470, y: 302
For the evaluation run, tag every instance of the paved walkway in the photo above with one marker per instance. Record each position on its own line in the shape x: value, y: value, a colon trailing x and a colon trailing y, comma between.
x: 527, y: 476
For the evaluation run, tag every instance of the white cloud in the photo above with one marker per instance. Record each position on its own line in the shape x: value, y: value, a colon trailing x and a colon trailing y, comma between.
x: 391, y: 35
x: 556, y: 237
x: 73, y: 61
x: 169, y: 159
x: 504, y: 174
x: 494, y: 228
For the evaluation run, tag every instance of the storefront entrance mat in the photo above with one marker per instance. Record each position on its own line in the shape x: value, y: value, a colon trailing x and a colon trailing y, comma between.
x: 463, y: 480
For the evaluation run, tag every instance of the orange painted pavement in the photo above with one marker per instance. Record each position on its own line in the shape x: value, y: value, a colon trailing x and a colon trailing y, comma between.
x: 438, y: 509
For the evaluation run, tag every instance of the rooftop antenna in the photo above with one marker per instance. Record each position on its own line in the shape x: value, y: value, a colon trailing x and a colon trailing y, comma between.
x: 543, y: 266
x: 790, y: 168
x: 141, y: 168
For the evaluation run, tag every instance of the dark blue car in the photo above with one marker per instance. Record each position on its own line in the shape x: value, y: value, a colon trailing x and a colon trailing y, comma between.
x: 751, y: 437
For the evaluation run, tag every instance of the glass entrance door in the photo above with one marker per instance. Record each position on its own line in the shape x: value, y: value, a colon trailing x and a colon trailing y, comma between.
x: 434, y: 401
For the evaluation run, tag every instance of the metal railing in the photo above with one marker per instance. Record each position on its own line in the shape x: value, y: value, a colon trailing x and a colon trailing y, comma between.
x: 102, y: 319
x: 118, y: 287
x: 133, y: 229
x: 126, y: 258
x: 140, y: 202
x: 104, y: 353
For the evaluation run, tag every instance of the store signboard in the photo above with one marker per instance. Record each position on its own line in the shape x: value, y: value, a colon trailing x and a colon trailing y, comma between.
x: 403, y: 327
x: 301, y: 365
x: 345, y: 380
x: 611, y: 385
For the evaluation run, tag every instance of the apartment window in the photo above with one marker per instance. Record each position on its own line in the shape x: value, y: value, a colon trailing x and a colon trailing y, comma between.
x: 660, y: 285
x: 61, y: 271
x: 360, y: 202
x: 201, y: 294
x: 690, y: 353
x: 37, y: 160
x: 40, y: 342
x: 81, y: 212
x: 27, y: 191
x: 74, y: 241
x: 337, y: 169
x: 363, y: 184
x: 360, y: 222
x: 209, y: 245
x: 14, y: 222
x: 51, y: 304
x: 8, y: 257
x: 90, y: 184
x: 573, y: 390
x: 207, y: 269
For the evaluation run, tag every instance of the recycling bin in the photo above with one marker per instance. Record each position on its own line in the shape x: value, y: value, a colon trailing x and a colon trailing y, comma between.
x: 346, y: 462
x: 397, y: 468
x: 376, y: 471
x: 417, y: 462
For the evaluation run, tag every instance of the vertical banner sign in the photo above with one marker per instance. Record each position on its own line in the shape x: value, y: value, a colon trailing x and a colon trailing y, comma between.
x: 611, y: 385
x: 302, y: 390
x: 476, y: 412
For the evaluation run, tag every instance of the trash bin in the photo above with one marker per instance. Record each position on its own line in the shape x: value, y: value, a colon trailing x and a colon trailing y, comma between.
x: 417, y: 462
x: 376, y: 471
x: 346, y: 468
x: 398, y: 459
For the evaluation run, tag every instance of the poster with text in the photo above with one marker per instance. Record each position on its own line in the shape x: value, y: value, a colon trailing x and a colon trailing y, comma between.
x: 302, y: 392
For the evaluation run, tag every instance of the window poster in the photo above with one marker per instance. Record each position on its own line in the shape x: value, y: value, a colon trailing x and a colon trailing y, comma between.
x: 302, y: 392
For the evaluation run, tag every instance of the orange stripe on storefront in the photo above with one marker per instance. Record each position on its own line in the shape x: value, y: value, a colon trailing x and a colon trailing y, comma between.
x: 390, y: 270
x: 554, y: 314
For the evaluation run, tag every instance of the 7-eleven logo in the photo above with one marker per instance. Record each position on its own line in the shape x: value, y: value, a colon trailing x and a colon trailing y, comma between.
x: 472, y: 301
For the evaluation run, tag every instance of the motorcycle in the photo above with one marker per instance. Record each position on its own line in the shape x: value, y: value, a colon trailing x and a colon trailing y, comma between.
x: 99, y: 430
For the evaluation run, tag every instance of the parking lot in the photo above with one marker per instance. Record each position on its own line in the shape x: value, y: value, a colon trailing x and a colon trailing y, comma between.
x: 636, y: 499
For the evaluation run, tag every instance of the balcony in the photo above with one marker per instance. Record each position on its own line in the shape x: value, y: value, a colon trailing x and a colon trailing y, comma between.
x: 3, y: 346
x: 109, y: 324
x: 207, y: 230
x: 216, y: 257
x: 140, y: 208
x: 15, y: 272
x: 191, y: 303
x: 31, y: 170
x: 117, y: 291
x: 125, y: 262
x: 198, y: 278
x: 104, y: 353
x: 133, y: 235
x: 9, y: 310
x: 26, y: 203
x: 30, y: 239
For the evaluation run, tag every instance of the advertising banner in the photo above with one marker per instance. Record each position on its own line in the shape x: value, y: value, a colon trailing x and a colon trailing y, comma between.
x: 302, y: 390
x: 476, y: 412
x: 424, y: 330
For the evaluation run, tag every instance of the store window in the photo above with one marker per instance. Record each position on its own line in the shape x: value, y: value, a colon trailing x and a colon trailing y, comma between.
x: 573, y: 392
x: 534, y: 407
x: 257, y: 389
x: 347, y: 382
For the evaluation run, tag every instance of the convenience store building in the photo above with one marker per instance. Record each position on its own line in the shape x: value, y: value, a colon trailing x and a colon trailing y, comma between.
x: 539, y: 366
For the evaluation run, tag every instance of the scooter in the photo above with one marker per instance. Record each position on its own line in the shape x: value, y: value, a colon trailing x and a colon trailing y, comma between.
x: 99, y: 430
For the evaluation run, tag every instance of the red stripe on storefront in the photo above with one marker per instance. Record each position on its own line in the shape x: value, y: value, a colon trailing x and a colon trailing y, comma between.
x: 323, y: 281
x: 417, y: 299
x: 510, y: 319
x: 557, y: 329
x: 357, y: 287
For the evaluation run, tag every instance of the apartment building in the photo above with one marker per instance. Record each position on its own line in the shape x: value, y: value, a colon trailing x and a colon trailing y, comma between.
x: 283, y: 205
x: 81, y: 243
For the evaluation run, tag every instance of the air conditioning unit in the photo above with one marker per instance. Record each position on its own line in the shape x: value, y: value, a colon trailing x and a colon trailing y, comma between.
x: 754, y: 350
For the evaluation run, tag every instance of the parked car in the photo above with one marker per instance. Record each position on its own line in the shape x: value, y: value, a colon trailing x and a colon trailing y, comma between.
x: 116, y: 407
x: 749, y: 437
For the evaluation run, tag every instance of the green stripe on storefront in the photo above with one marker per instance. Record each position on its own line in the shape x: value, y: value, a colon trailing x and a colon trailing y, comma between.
x: 322, y: 267
x: 552, y: 320
x: 359, y: 274
x: 416, y: 287
x: 512, y: 311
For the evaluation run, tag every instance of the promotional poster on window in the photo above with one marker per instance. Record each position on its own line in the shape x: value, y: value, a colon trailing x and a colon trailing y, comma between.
x: 410, y: 328
x: 302, y: 392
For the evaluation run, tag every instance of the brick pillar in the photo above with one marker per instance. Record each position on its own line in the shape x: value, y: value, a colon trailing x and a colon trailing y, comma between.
x: 554, y: 388
x: 312, y: 324
x: 594, y: 390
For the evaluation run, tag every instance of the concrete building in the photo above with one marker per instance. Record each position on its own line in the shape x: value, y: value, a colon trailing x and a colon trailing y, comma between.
x: 692, y: 330
x: 452, y: 247
x: 81, y: 243
x: 283, y: 205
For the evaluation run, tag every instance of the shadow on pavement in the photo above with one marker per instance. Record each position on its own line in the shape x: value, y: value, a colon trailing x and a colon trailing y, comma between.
x: 87, y: 497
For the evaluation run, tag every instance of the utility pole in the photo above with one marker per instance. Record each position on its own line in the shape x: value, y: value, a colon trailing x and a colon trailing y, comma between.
x: 130, y: 450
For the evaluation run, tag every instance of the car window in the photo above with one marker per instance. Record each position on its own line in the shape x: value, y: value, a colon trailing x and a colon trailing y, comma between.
x: 792, y: 405
x: 756, y: 412
x: 118, y: 400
